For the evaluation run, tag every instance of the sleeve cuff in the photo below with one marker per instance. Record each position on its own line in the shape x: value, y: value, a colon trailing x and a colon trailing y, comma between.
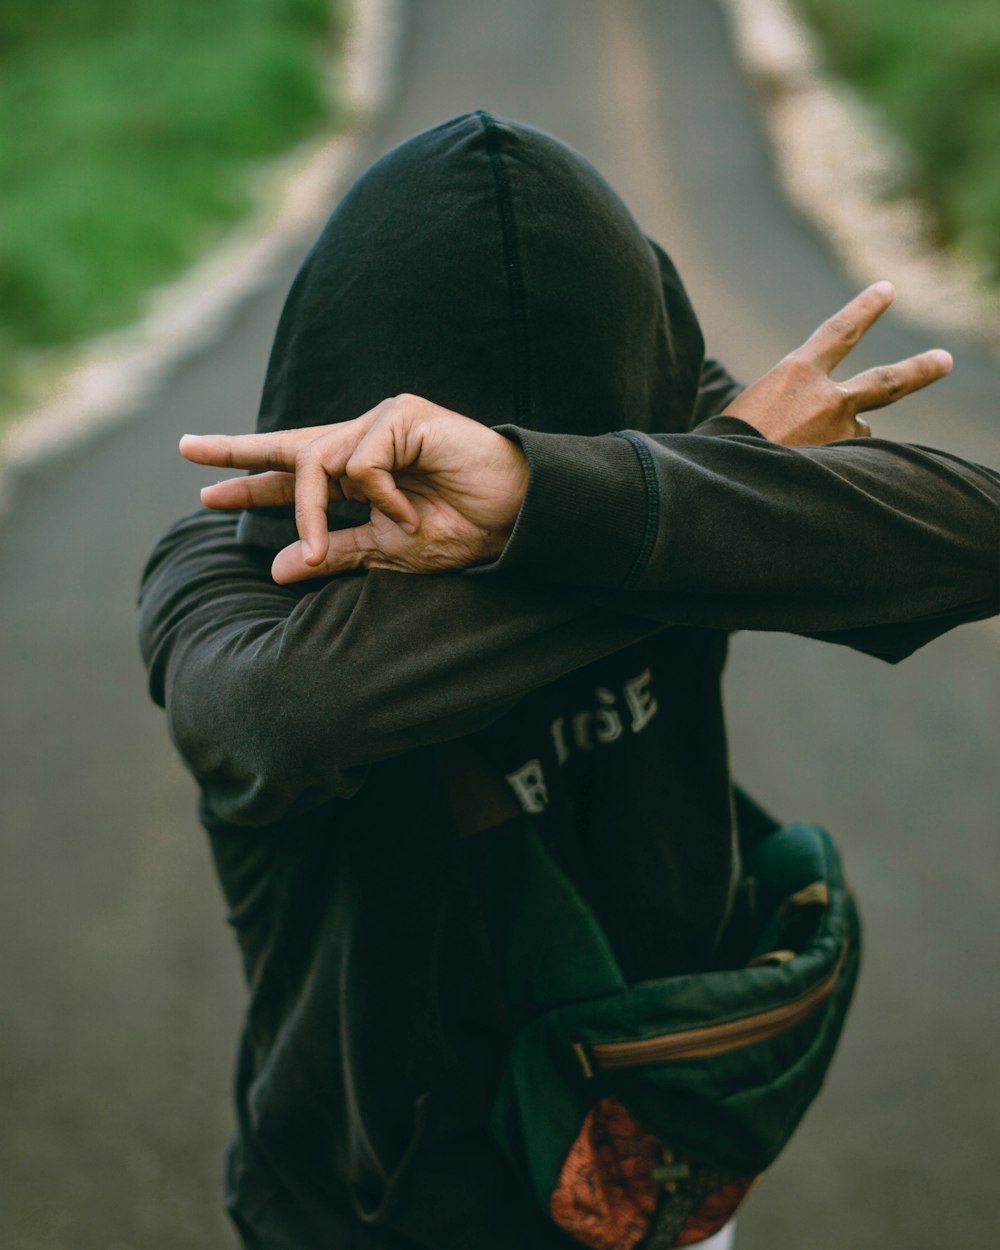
x: 584, y: 514
x: 719, y: 427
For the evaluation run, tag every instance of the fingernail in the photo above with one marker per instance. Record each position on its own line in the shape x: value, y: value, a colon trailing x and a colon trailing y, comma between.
x: 306, y: 550
x: 885, y: 288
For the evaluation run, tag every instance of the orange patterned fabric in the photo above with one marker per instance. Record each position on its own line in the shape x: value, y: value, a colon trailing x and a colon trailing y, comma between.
x: 606, y: 1197
x: 714, y: 1212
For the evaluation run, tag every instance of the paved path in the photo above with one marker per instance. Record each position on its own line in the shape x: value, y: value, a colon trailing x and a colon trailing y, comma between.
x: 121, y: 995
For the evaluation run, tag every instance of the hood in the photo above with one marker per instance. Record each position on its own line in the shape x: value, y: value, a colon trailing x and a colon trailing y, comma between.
x: 488, y: 267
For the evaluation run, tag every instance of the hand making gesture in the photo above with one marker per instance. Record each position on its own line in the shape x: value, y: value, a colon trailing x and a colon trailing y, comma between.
x: 445, y: 490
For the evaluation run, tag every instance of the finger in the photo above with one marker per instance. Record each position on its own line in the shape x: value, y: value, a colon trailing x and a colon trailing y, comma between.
x: 884, y: 385
x: 370, y: 469
x: 261, y: 490
x: 379, y: 487
x: 313, y: 490
x: 246, y: 451
x: 835, y: 337
x: 346, y: 551
x: 319, y: 468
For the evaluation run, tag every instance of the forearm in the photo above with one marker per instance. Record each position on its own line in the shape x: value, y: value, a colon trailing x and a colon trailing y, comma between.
x: 277, y: 697
x: 722, y: 528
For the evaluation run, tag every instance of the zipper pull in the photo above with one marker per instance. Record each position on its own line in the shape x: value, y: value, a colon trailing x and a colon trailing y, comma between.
x: 671, y: 1171
x: 584, y: 1060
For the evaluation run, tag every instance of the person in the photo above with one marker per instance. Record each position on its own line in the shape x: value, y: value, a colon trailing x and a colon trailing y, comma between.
x: 523, y: 559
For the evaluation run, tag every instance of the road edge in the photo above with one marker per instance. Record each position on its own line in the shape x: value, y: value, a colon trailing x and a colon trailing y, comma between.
x: 842, y: 171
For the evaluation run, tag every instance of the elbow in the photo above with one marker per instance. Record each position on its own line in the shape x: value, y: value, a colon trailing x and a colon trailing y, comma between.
x: 259, y: 757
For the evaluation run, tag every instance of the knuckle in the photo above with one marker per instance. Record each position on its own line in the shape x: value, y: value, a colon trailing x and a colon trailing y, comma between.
x: 409, y: 406
x: 800, y: 369
x: 842, y: 397
x: 398, y: 405
x: 889, y: 380
x: 845, y: 328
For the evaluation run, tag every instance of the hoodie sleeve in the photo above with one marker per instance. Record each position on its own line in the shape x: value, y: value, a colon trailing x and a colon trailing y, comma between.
x: 717, y: 389
x: 875, y: 544
x: 277, y: 697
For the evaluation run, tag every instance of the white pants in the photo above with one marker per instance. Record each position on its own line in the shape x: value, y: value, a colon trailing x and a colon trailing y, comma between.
x: 722, y: 1240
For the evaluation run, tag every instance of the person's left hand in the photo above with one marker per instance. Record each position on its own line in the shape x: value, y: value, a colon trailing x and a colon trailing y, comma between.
x: 445, y: 490
x: 798, y: 403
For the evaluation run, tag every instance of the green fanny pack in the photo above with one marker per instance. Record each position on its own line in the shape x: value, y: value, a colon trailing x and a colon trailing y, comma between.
x: 642, y: 1114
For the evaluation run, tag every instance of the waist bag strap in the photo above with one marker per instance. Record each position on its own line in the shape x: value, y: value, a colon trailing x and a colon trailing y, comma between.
x: 640, y: 1114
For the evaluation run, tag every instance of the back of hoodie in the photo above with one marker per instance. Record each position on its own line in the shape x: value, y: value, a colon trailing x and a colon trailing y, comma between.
x: 487, y: 267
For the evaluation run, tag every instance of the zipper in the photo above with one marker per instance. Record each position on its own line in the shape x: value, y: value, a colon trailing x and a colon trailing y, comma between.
x: 709, y: 1040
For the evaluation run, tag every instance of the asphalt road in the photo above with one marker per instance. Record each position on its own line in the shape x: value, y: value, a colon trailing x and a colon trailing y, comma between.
x: 121, y: 992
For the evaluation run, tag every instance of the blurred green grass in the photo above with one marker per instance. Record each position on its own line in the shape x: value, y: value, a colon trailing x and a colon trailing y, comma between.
x: 127, y: 128
x: 932, y: 70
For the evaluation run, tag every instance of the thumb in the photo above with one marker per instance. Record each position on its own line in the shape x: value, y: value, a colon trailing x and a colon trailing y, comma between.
x: 346, y: 552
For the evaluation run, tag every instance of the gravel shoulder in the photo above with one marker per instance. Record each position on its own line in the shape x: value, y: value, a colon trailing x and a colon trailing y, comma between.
x: 842, y: 170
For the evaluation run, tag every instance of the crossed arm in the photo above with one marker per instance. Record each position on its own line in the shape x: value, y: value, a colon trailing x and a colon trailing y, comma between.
x: 279, y: 695
x: 446, y: 491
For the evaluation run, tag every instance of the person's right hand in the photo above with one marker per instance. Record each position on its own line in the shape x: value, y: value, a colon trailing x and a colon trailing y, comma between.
x: 445, y: 490
x: 798, y: 404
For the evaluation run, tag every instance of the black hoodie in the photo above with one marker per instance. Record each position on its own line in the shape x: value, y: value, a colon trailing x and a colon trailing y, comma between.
x: 486, y: 266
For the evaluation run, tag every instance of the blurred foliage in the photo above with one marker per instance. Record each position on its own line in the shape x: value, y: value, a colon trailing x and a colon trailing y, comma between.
x: 932, y: 69
x: 126, y: 127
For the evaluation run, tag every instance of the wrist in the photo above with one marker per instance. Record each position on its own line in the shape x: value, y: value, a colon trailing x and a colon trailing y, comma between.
x: 585, y: 510
x: 512, y: 481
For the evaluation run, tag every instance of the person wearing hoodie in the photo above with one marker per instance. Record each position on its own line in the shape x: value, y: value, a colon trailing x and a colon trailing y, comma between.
x: 593, y: 507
